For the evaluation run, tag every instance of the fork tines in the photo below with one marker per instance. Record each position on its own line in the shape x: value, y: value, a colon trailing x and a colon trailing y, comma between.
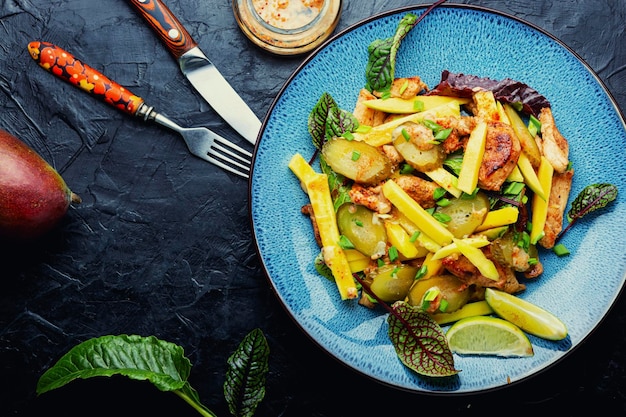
x: 239, y: 161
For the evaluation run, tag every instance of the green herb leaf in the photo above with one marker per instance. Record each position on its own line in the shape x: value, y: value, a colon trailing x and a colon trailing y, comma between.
x: 344, y: 242
x: 136, y: 357
x: 593, y: 197
x: 318, y: 117
x: 381, y: 65
x: 244, y: 387
x: 420, y: 342
x: 327, y: 120
x: 339, y: 185
x: 380, y: 69
x: 322, y: 268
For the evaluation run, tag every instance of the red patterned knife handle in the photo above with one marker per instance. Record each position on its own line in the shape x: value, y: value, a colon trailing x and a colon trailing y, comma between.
x: 166, y: 25
x: 65, y: 66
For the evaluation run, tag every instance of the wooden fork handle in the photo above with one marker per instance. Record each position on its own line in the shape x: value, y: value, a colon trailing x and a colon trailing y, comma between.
x: 64, y: 65
x: 166, y: 25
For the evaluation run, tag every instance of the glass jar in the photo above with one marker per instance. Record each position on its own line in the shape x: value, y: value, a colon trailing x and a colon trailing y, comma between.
x: 287, y: 27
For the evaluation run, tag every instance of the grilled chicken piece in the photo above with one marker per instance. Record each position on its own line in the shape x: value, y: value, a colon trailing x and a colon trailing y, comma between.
x: 419, y: 189
x: 459, y: 266
x: 502, y: 150
x: 553, y: 145
x: 393, y: 155
x: 370, y: 197
x: 405, y: 88
x: 364, y: 114
x: 557, y: 203
x: 461, y: 128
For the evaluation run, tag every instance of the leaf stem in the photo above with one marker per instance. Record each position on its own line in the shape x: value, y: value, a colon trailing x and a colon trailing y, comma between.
x: 198, y: 407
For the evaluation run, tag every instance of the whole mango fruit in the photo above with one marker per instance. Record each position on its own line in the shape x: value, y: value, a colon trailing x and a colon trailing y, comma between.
x: 33, y: 196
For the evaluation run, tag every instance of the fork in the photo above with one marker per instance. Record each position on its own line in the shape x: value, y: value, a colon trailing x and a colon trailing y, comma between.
x: 201, y: 141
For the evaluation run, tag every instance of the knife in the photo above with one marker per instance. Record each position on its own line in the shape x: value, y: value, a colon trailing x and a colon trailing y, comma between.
x: 200, y: 72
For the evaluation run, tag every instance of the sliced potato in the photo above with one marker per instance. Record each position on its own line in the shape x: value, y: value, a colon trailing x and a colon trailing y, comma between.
x: 416, y: 143
x: 357, y: 160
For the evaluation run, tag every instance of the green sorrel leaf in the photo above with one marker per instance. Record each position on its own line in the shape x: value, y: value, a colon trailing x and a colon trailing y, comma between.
x: 420, y: 342
x: 244, y: 387
x: 141, y: 358
x: 593, y: 197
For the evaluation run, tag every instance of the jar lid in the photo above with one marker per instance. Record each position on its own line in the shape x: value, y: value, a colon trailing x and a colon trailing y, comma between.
x: 287, y: 27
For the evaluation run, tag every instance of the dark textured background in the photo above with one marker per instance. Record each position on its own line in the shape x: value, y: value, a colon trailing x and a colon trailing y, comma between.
x: 161, y: 244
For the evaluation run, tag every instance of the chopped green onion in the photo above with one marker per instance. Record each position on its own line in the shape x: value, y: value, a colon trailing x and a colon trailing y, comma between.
x: 443, y: 202
x: 431, y: 210
x: 406, y: 135
x: 358, y: 223
x: 344, y: 243
x: 380, y: 262
x: 533, y: 261
x: 348, y: 135
x: 393, y: 254
x: 394, y: 273
x: 421, y: 272
x: 431, y: 125
x: 431, y: 294
x: 439, y: 193
x: 560, y: 250
x: 414, y: 236
x: 404, y: 87
x: 418, y: 106
x: 534, y: 124
x: 514, y: 188
x: 386, y: 95
x: 442, y: 134
x: 443, y: 305
x: 363, y: 129
x: 518, y: 105
x: 406, y: 169
x: 442, y: 217
x: 355, y: 155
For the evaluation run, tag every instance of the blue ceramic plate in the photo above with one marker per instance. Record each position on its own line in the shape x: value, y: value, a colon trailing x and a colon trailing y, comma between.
x: 579, y: 289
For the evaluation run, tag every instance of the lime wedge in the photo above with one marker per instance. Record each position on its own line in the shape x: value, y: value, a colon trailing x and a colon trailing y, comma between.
x: 527, y: 316
x: 485, y: 335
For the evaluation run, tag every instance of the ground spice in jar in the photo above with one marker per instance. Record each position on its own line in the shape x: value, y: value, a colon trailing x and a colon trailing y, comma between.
x: 287, y: 27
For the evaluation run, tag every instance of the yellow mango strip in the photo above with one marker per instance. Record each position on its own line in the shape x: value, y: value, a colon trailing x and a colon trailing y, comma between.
x: 515, y: 175
x: 502, y: 114
x: 485, y: 266
x: 486, y: 108
x: 473, y: 158
x: 358, y: 261
x: 540, y: 205
x: 423, y: 243
x: 317, y: 188
x: 477, y: 242
x: 428, y: 243
x: 397, y: 105
x: 446, y: 180
x: 478, y: 308
x: 501, y: 217
x: 433, y: 266
x: 401, y: 240
x: 530, y: 177
x: 416, y: 213
x: 301, y: 168
x: 381, y: 134
x: 529, y: 145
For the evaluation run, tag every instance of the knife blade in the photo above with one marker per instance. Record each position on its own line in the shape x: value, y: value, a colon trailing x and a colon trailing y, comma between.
x: 198, y: 69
